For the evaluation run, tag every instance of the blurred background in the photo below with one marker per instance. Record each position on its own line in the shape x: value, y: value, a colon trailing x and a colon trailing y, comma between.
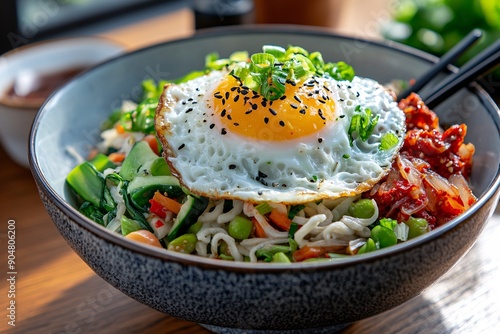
x: 431, y: 25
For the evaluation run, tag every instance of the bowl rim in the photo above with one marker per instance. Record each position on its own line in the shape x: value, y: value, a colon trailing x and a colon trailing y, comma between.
x: 214, y: 264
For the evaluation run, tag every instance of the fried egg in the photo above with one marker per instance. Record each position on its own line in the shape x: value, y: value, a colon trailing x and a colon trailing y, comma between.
x: 225, y: 141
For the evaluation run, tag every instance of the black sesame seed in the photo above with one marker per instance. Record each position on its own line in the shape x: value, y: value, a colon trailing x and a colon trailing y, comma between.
x: 357, y: 94
x: 264, y: 103
x: 232, y: 166
x: 310, y: 94
x: 248, y: 111
x: 223, y: 101
x: 229, y: 117
x: 259, y: 192
x: 227, y: 95
x: 234, y: 88
x: 197, y: 89
x: 338, y: 86
x: 349, y: 87
x: 189, y: 110
x: 244, y: 91
x: 320, y: 140
x: 282, y: 123
x: 322, y: 101
x: 283, y: 97
x: 236, y: 98
x: 273, y: 111
x: 255, y: 106
x: 184, y: 102
x: 194, y: 102
x: 212, y: 126
x: 266, y: 120
x: 302, y: 111
x: 324, y: 97
x: 341, y: 100
x: 236, y: 124
x: 190, y: 99
x: 245, y: 87
x: 320, y: 113
x: 326, y: 88
x: 297, y: 99
x: 223, y: 113
x: 342, y: 116
x: 223, y: 131
x: 262, y: 175
x: 293, y: 83
x: 181, y: 147
x: 294, y: 106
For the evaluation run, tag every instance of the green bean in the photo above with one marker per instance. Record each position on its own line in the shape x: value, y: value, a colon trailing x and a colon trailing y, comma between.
x: 240, y: 228
x: 281, y: 257
x: 418, y: 226
x: 185, y: 243
x: 362, y: 208
x: 384, y: 236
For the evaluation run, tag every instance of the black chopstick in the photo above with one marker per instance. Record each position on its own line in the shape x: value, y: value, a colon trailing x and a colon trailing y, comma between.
x: 480, y: 64
x: 447, y: 59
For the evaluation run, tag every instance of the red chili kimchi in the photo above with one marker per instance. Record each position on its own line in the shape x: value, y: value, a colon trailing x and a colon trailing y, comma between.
x: 428, y: 179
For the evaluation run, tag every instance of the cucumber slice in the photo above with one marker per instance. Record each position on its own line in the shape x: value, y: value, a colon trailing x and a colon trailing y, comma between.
x: 188, y: 215
x: 142, y: 189
x: 139, y: 155
x: 160, y: 167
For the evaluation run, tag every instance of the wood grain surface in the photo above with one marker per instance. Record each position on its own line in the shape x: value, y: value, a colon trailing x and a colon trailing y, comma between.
x: 56, y: 292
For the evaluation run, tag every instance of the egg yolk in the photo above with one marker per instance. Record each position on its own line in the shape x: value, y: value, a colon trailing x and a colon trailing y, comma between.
x: 304, y: 109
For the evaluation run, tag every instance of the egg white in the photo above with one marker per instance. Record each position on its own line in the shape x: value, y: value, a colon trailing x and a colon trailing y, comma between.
x: 219, y: 164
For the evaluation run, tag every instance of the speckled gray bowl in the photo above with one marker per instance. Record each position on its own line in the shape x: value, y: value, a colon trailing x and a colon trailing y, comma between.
x: 227, y: 296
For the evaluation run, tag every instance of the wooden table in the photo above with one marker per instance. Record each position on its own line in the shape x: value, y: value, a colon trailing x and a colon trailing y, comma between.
x: 55, y: 291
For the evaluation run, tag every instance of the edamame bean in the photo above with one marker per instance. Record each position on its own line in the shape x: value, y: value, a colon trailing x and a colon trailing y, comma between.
x: 369, y: 246
x: 384, y: 236
x: 185, y: 243
x: 362, y: 208
x: 417, y: 226
x: 240, y: 228
x: 281, y: 257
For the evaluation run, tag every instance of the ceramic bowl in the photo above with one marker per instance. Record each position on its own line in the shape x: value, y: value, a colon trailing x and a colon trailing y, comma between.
x: 47, y: 57
x: 230, y: 297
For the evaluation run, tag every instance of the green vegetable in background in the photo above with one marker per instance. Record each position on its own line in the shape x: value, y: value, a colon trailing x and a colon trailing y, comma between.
x: 435, y: 26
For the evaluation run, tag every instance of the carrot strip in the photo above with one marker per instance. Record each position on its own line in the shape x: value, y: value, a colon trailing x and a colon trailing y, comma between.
x: 153, y: 143
x: 116, y: 157
x: 258, y: 230
x: 168, y: 203
x: 280, y: 220
x: 311, y: 252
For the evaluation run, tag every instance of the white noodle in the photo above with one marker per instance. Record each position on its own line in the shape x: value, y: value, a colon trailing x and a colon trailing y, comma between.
x: 228, y: 216
x: 211, y: 216
x: 252, y: 256
x: 231, y: 245
x: 302, y: 232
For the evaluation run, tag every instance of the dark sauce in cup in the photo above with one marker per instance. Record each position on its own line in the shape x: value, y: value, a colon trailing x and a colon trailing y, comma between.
x: 39, y: 87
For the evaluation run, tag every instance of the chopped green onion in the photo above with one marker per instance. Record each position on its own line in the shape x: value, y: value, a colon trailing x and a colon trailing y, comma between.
x: 294, y: 209
x: 264, y: 208
x: 362, y: 124
x: 277, y: 51
x: 388, y: 141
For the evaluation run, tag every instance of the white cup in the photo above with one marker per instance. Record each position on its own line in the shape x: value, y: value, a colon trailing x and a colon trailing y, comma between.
x: 43, y: 58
